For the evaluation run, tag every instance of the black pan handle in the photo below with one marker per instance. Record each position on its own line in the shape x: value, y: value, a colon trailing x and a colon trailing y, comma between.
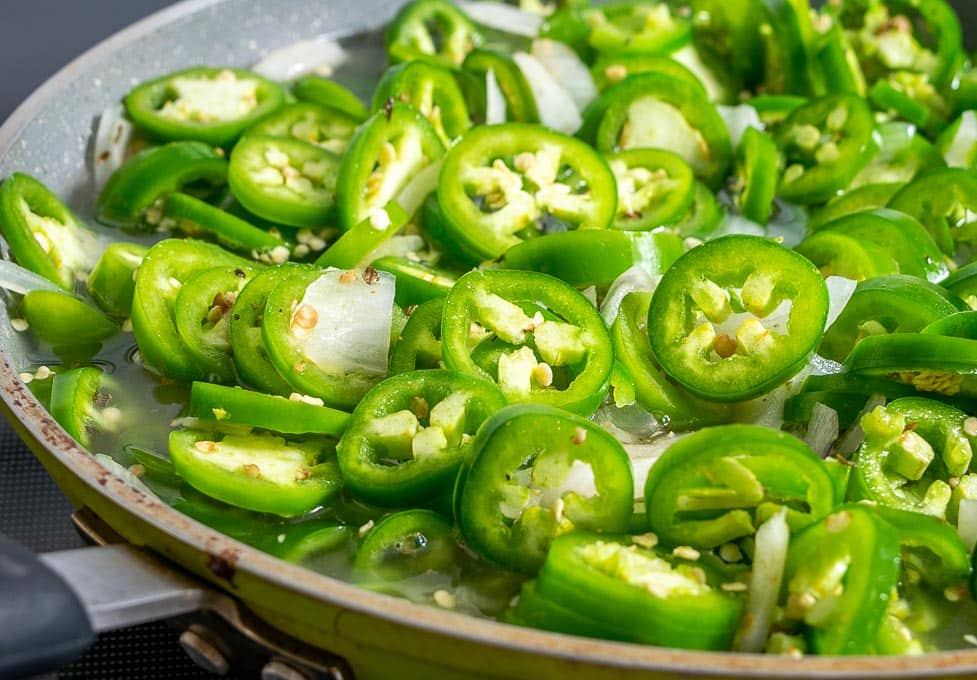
x: 43, y: 624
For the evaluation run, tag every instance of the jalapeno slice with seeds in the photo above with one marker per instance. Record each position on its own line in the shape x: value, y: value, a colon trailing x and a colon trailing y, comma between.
x: 502, y: 184
x: 654, y: 188
x: 536, y: 472
x: 430, y: 89
x: 257, y: 471
x: 284, y: 180
x: 44, y: 235
x: 536, y: 336
x: 409, y: 435
x: 324, y: 127
x: 385, y: 154
x: 431, y: 30
x: 82, y: 403
x: 719, y: 484
x: 211, y: 105
x: 726, y: 355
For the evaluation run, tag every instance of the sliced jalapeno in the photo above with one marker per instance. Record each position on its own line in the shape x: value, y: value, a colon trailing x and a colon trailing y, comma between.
x: 220, y: 404
x: 167, y: 266
x: 430, y: 89
x: 502, y: 184
x: 756, y: 176
x: 943, y: 200
x: 637, y: 27
x: 611, y: 69
x: 63, y: 319
x: 520, y: 104
x: 416, y: 282
x: 419, y: 344
x: 536, y: 336
x: 131, y: 193
x: 324, y: 127
x: 44, y: 235
x: 257, y: 471
x: 433, y: 30
x: 903, y: 153
x: 840, y: 576
x: 330, y: 94
x: 201, y: 312
x: 212, y: 105
x: 386, y: 152
x: 197, y: 218
x: 534, y: 473
x: 654, y: 188
x: 112, y: 281
x: 660, y: 111
x: 930, y: 363
x: 626, y: 592
x: 284, y: 180
x: 355, y: 246
x: 82, y: 403
x: 864, y: 197
x: 404, y: 545
x: 824, y: 143
x: 887, y: 304
x: 409, y: 434
x: 725, y: 355
x: 719, y: 484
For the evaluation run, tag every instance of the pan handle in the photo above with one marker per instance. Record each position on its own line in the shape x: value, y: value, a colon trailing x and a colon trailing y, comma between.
x: 43, y: 621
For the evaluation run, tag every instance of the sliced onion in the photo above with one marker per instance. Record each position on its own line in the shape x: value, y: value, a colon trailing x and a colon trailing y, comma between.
x: 123, y: 473
x: 853, y: 438
x: 412, y: 196
x: 738, y: 120
x: 494, y: 100
x: 15, y: 278
x: 788, y: 223
x: 768, y: 410
x: 503, y: 18
x: 769, y: 558
x: 967, y: 523
x: 629, y: 424
x: 961, y: 152
x: 689, y: 58
x: 590, y: 292
x: 301, y: 58
x: 840, y: 291
x: 567, y: 68
x: 556, y: 108
x: 112, y: 135
x: 352, y: 330
x: 818, y: 365
x: 643, y: 458
x: 737, y: 224
x: 822, y: 430
x: 635, y: 279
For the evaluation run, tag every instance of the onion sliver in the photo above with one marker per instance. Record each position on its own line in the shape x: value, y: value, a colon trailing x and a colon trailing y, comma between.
x: 353, y: 321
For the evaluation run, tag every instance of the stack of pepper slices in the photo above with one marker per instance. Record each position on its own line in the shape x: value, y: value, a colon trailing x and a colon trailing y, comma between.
x: 642, y: 321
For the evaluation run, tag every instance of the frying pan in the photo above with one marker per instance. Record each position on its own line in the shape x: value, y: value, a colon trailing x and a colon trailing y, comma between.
x: 376, y: 635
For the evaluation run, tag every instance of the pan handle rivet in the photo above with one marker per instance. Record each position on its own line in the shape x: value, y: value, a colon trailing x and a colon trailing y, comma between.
x: 276, y: 669
x: 203, y: 652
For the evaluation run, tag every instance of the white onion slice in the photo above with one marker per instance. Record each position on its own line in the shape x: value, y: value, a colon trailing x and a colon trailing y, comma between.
x: 770, y: 556
x: 412, y: 196
x: 556, y: 108
x: 690, y: 59
x: 112, y: 135
x: 494, y: 100
x: 738, y: 120
x: 568, y: 69
x: 15, y: 278
x: 301, y: 58
x: 967, y: 523
x: 818, y: 365
x: 630, y: 424
x: 590, y: 292
x: 822, y: 430
x: 768, y: 410
x: 635, y: 279
x: 788, y: 223
x: 962, y: 150
x: 840, y: 291
x: 503, y: 18
x: 737, y: 224
x: 352, y: 329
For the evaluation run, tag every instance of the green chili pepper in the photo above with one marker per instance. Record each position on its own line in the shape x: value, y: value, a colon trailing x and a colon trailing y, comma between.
x: 840, y: 576
x: 355, y: 246
x: 43, y: 234
x: 63, y: 319
x: 943, y: 200
x: 824, y: 143
x: 330, y: 94
x: 82, y: 403
x: 535, y: 472
x: 219, y: 404
x: 756, y: 176
x: 733, y: 355
x: 256, y: 471
x: 211, y: 105
x: 864, y: 197
x: 312, y: 123
x: 655, y: 188
x: 419, y: 345
x: 195, y: 218
x: 930, y: 363
x: 625, y: 592
x: 409, y: 434
x: 131, y: 193
x: 430, y: 89
x: 536, y: 336
x: 403, y: 545
x: 386, y: 152
x: 416, y: 282
x: 112, y: 281
x: 502, y: 184
x: 431, y: 30
x: 643, y: 27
